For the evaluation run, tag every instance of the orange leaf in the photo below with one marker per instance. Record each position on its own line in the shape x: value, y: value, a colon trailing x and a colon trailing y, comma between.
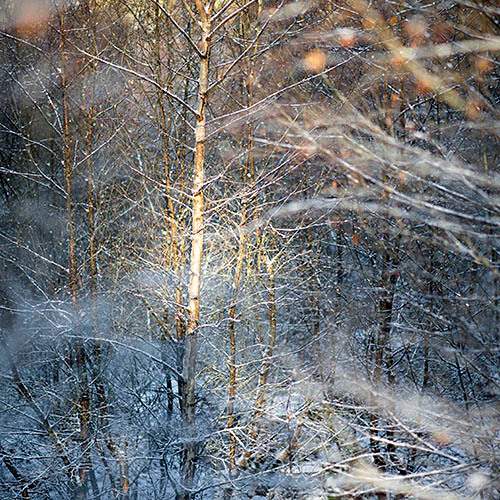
x: 397, y: 61
x: 315, y: 61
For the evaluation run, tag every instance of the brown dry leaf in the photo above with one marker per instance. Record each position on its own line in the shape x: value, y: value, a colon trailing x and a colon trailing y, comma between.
x: 315, y: 61
x: 397, y: 60
x: 355, y: 239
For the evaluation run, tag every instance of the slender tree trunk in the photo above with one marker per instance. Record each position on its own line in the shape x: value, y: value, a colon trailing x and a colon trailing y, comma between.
x: 386, y: 302
x: 232, y: 338
x: 260, y: 403
x: 247, y: 180
x: 189, y: 369
x: 83, y: 398
x: 171, y: 252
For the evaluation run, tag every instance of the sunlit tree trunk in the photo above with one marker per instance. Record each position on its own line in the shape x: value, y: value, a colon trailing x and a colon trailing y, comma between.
x: 189, y: 368
x: 260, y: 403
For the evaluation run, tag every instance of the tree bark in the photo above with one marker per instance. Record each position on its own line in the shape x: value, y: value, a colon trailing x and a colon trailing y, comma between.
x: 189, y: 369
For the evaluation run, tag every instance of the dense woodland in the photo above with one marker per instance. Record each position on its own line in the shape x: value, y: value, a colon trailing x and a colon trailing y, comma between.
x: 249, y: 249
